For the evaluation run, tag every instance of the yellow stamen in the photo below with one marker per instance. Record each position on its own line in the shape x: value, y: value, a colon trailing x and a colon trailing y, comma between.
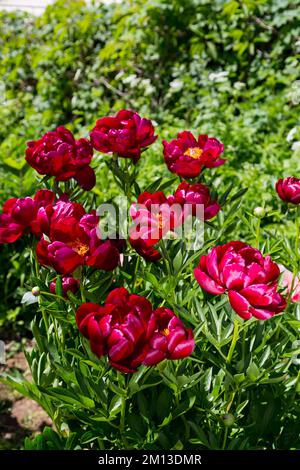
x: 166, y: 332
x: 80, y: 248
x: 160, y: 221
x: 193, y: 152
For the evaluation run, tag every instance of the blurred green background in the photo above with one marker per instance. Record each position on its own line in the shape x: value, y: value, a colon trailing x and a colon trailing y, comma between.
x: 226, y: 68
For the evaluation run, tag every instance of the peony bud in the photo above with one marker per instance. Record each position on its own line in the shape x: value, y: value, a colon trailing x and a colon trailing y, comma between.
x: 35, y: 291
x: 259, y: 212
x: 228, y: 420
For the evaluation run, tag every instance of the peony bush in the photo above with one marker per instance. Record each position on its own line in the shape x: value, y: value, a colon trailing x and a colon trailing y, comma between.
x: 170, y: 334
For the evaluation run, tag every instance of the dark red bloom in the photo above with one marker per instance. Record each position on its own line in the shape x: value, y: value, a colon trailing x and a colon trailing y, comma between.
x: 69, y: 284
x: 130, y: 333
x: 25, y: 215
x: 74, y: 241
x: 288, y: 189
x: 186, y: 155
x: 195, y: 195
x: 58, y: 154
x: 125, y: 134
x: 249, y: 278
x: 170, y: 339
x: 119, y: 330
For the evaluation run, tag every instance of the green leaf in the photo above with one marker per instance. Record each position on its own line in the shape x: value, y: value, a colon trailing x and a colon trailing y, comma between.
x: 184, y: 406
x: 68, y: 397
x: 253, y: 372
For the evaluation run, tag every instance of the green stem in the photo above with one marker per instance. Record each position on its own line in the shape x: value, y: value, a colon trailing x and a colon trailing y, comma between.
x: 235, y: 337
x: 295, y: 388
x: 258, y: 232
x: 166, y: 257
x: 297, y: 232
x: 45, y: 319
x: 122, y: 420
x: 186, y: 428
x: 134, y: 276
x: 83, y: 298
x: 123, y: 414
x: 225, y: 438
x: 296, y: 265
x: 230, y: 402
x: 244, y: 343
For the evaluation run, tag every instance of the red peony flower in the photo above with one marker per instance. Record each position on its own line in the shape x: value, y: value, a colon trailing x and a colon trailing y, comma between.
x: 130, y: 333
x: 25, y: 215
x: 119, y: 330
x: 153, y: 217
x: 288, y: 189
x: 196, y: 195
x: 58, y: 154
x: 73, y: 241
x: 125, y: 134
x: 249, y: 278
x: 69, y: 284
x: 186, y: 156
x: 170, y: 339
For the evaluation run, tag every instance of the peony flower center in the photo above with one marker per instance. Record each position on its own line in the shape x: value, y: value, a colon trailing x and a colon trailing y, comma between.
x: 166, y: 332
x: 194, y: 152
x: 80, y: 248
x: 160, y: 221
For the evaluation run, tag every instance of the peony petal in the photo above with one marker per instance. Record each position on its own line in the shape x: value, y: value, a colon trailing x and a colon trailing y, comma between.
x: 234, y: 276
x: 207, y: 283
x: 239, y: 304
x: 86, y: 178
x: 121, y: 350
x: 261, y: 314
x: 153, y: 357
x: 183, y: 349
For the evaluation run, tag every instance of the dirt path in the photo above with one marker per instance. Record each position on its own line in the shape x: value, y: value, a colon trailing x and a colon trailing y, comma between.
x: 19, y: 416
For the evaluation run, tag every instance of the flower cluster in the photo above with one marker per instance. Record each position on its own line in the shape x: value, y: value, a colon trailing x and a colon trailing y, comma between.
x: 250, y: 279
x: 130, y: 333
x: 126, y: 328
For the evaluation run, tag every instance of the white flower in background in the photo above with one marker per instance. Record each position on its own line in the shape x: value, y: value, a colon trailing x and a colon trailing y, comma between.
x: 131, y: 80
x: 239, y: 85
x: 147, y: 86
x: 119, y: 75
x: 218, y: 77
x: 176, y: 84
x: 294, y: 94
x: 291, y: 134
x: 2, y: 91
x: 296, y: 146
